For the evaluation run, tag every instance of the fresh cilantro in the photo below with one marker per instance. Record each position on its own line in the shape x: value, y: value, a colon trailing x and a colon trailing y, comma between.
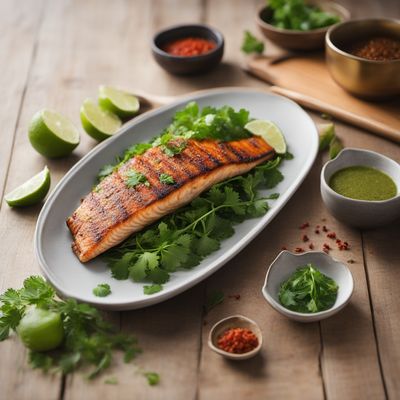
x: 308, y: 291
x: 102, y: 290
x: 152, y: 378
x: 89, y: 339
x: 216, y: 297
x: 167, y: 179
x: 251, y: 44
x: 151, y: 289
x: 105, y: 171
x: 135, y: 178
x: 297, y: 15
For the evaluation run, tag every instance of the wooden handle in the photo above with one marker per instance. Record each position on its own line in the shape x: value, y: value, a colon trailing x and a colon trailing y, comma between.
x: 347, y: 116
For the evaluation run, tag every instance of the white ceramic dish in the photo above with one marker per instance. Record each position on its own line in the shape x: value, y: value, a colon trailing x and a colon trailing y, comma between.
x: 286, y: 263
x: 361, y: 213
x: 235, y: 321
x: 53, y: 240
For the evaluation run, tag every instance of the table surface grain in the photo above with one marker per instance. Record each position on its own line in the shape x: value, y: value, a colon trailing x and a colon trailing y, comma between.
x: 55, y: 53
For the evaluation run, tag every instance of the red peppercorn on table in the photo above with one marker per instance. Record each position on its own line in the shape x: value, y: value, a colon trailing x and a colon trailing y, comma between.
x: 55, y: 54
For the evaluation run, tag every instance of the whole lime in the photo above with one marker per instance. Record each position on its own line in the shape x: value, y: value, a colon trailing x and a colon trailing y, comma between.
x: 41, y: 330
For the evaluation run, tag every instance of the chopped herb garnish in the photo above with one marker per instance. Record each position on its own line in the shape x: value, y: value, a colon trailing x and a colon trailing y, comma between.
x: 308, y: 291
x: 251, y: 44
x: 111, y: 381
x: 102, y: 290
x: 105, y: 171
x: 135, y: 178
x: 167, y: 179
x: 151, y: 289
x: 89, y: 339
x: 216, y: 297
x: 152, y: 378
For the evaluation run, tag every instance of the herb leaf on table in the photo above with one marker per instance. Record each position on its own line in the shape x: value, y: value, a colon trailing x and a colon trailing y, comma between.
x: 251, y: 44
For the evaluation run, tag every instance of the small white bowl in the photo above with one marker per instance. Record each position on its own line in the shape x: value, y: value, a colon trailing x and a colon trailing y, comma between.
x: 235, y: 321
x: 361, y: 213
x: 286, y: 263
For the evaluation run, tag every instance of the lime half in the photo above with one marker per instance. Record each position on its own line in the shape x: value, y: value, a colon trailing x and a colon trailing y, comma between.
x: 270, y: 132
x: 52, y: 134
x: 98, y: 123
x: 30, y: 192
x: 124, y: 104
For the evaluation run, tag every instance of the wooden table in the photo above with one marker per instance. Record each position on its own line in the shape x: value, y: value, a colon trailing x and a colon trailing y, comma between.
x: 54, y: 54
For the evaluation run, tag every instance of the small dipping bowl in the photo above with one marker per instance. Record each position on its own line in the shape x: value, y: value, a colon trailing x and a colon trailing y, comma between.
x: 286, y: 263
x: 361, y: 213
x: 364, y: 78
x: 235, y: 321
x: 299, y: 40
x: 188, y: 65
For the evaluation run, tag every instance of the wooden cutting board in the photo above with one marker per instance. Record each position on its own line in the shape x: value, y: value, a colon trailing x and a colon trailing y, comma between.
x: 307, y: 81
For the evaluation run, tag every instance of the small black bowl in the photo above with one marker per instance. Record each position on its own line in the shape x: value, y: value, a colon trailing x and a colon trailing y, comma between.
x: 182, y: 65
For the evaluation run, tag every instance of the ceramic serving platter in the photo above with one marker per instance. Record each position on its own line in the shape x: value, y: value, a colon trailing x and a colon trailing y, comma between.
x: 73, y: 279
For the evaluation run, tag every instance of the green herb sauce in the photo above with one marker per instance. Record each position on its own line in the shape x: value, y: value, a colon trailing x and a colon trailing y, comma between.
x: 363, y: 183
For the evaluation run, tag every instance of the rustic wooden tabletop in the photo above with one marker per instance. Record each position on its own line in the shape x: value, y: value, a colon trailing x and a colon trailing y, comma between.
x: 56, y: 53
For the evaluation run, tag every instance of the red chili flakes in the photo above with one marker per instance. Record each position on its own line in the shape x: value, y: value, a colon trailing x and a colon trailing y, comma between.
x: 304, y: 226
x: 238, y: 341
x: 305, y: 238
x: 283, y: 248
x: 343, y: 246
x: 234, y: 296
x: 316, y: 231
x: 331, y: 235
x: 311, y: 246
x: 326, y: 248
x: 325, y: 229
x: 299, y: 250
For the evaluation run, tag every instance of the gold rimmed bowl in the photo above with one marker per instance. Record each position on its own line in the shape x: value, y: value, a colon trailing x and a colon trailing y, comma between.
x: 362, y: 77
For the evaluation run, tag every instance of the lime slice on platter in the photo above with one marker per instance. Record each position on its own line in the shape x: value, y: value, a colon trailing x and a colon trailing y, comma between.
x: 98, y: 123
x: 121, y: 103
x: 270, y: 132
x: 52, y: 134
x: 31, y: 192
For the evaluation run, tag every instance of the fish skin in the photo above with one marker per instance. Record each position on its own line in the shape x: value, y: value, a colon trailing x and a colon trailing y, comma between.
x: 112, y: 212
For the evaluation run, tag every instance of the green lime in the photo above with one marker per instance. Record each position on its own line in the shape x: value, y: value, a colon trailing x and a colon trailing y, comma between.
x: 124, y: 104
x: 52, y: 134
x: 31, y: 192
x: 41, y: 330
x: 98, y: 123
x: 270, y: 132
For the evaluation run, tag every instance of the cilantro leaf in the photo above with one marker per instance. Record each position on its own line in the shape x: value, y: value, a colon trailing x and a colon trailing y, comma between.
x: 135, y: 178
x: 146, y: 261
x: 106, y: 170
x: 251, y: 44
x: 102, y: 290
x: 151, y: 289
x: 152, y: 378
x: 167, y: 179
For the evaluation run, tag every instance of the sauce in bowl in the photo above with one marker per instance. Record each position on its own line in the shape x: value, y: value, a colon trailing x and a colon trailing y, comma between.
x: 363, y: 183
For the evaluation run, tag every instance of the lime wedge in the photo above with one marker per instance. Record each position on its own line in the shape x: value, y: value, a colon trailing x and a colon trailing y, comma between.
x: 31, y: 192
x: 270, y: 132
x: 124, y: 104
x: 52, y: 134
x: 98, y: 123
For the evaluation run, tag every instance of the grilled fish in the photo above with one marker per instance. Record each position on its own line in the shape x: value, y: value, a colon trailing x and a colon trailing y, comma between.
x: 112, y: 212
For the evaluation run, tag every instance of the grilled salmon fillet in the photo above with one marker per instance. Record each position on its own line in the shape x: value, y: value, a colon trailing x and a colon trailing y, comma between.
x: 112, y: 212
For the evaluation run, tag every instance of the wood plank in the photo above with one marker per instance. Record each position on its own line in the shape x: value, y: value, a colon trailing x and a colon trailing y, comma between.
x: 19, y: 23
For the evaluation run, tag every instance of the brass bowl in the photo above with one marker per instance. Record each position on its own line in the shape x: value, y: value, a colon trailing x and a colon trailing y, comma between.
x: 364, y: 78
x: 299, y: 40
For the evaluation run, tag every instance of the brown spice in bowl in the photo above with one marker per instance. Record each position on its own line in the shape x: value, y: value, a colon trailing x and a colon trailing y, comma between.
x: 377, y: 49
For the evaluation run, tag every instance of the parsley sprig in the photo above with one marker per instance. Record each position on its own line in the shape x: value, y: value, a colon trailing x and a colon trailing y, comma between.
x: 182, y: 239
x: 308, y: 291
x: 89, y: 339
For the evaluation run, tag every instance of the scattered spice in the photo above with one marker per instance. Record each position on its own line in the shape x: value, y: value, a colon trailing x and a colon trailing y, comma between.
x: 304, y: 226
x: 234, y: 296
x: 326, y: 248
x: 351, y: 261
x: 325, y: 229
x: 316, y: 231
x: 311, y: 246
x: 299, y: 250
x: 305, y: 238
x: 331, y: 235
x: 342, y: 245
x: 377, y: 49
x: 283, y: 248
x: 238, y: 341
x: 189, y: 47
